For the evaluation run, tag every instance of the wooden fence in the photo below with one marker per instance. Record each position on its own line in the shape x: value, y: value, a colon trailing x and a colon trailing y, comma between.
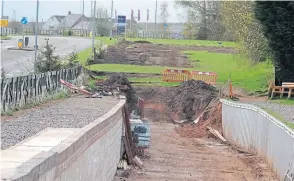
x: 20, y: 91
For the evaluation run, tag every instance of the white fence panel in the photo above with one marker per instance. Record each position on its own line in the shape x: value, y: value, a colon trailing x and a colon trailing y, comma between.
x: 258, y: 132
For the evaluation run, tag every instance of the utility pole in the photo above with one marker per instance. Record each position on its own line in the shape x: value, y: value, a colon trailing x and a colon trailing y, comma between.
x: 94, y: 28
x: 83, y: 17
x: 36, y: 36
x: 2, y: 15
x: 111, y: 22
x: 155, y: 28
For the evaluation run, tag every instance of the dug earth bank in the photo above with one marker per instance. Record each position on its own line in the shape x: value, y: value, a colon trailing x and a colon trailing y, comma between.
x: 189, y: 152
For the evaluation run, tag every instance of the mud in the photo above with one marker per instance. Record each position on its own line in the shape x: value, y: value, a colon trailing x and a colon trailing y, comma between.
x: 146, y: 53
x: 174, y: 158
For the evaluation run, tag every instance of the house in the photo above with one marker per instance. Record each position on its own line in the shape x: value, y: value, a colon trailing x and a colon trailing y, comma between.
x: 15, y: 27
x: 53, y: 22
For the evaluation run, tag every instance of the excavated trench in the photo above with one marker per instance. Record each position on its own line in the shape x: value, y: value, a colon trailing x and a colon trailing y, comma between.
x: 179, y: 105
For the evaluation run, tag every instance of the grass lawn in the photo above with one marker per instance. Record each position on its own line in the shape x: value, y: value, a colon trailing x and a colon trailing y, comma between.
x: 5, y: 38
x: 251, y: 78
x: 85, y: 54
x: 188, y: 42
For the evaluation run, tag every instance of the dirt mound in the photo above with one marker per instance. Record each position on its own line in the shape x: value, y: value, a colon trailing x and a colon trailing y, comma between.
x: 212, y: 117
x: 143, y: 41
x: 186, y: 101
x: 129, y: 91
x: 145, y: 53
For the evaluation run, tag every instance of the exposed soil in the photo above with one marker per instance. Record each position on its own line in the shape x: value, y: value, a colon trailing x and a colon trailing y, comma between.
x: 174, y: 158
x: 146, y: 53
x: 186, y: 101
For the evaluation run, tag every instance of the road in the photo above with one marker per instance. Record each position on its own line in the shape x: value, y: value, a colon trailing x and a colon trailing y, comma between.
x: 18, y: 63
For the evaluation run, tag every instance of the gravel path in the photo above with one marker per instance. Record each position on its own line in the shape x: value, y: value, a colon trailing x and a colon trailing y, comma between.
x: 287, y: 111
x: 74, y: 112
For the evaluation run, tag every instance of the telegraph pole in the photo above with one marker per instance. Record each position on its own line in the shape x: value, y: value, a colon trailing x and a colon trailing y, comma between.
x: 155, y: 29
x: 83, y: 17
x: 2, y: 15
x: 36, y: 36
x: 111, y: 22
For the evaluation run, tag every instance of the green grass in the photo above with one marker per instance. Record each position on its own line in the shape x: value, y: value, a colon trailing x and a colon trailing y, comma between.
x: 188, y: 42
x: 85, y: 54
x: 250, y: 78
x: 284, y: 101
x: 4, y: 38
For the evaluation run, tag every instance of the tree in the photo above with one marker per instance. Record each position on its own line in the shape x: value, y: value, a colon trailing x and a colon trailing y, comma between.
x: 208, y: 17
x: 164, y: 15
x: 102, y: 22
x: 241, y: 25
x: 190, y: 25
x: 276, y: 18
x: 47, y: 60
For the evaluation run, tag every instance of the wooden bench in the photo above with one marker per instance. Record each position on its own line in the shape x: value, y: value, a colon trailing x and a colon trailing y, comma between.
x: 287, y: 87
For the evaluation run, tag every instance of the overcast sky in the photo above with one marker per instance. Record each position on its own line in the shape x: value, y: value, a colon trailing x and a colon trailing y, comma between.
x: 54, y: 7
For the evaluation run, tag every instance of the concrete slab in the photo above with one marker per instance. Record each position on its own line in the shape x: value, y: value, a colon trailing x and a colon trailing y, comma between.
x: 44, y: 141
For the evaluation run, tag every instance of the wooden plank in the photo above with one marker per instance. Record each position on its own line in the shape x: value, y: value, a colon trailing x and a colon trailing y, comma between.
x: 128, y: 150
x: 216, y: 134
x: 128, y: 129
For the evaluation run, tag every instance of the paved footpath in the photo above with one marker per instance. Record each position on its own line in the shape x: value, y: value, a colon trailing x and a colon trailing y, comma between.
x: 75, y: 112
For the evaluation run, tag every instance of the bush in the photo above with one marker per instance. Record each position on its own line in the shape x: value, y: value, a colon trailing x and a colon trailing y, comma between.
x: 98, y: 56
x: 202, y: 34
x: 68, y: 33
x: 72, y: 60
x: 47, y: 60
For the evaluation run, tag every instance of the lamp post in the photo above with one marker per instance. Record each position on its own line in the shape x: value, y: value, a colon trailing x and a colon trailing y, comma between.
x: 36, y: 36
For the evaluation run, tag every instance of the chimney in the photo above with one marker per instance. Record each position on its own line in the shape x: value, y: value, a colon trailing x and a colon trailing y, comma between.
x: 69, y: 13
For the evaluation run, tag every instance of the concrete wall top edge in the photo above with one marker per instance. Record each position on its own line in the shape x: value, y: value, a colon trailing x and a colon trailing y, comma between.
x: 43, y: 162
x: 260, y: 111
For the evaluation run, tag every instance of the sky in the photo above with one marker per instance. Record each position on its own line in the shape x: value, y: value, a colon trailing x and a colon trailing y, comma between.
x: 25, y: 8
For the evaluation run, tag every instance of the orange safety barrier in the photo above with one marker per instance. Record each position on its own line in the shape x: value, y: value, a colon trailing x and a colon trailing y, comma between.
x: 208, y: 77
x: 174, y: 75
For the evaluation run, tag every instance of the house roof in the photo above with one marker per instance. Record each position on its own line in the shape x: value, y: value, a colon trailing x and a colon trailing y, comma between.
x: 58, y: 17
x: 70, y: 20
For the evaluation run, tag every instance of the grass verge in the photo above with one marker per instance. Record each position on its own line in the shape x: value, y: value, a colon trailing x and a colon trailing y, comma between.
x: 252, y: 78
x: 279, y: 118
x: 59, y: 96
x: 85, y: 54
x: 284, y: 101
x: 5, y: 38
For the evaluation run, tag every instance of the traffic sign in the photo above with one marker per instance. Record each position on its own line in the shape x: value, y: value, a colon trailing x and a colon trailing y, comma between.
x: 24, y: 20
x: 121, y: 24
x: 4, y: 23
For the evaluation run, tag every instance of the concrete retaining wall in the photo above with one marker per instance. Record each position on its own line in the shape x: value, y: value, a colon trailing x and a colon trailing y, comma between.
x: 90, y: 154
x: 255, y: 130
